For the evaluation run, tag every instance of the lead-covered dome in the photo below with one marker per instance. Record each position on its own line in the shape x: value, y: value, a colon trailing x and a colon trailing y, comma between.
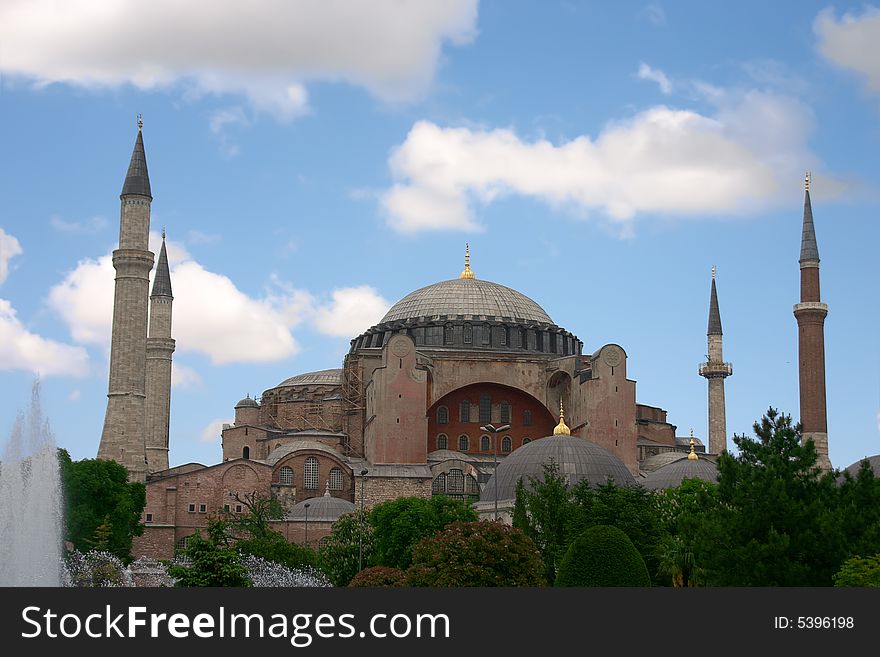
x: 467, y: 298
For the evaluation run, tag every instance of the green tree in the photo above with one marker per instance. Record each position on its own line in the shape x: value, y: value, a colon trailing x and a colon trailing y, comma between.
x: 776, y: 522
x: 340, y: 556
x: 379, y: 577
x: 603, y: 555
x: 210, y: 561
x: 859, y: 572
x: 399, y: 524
x: 479, y: 553
x: 859, y: 507
x: 97, y: 494
x: 543, y: 512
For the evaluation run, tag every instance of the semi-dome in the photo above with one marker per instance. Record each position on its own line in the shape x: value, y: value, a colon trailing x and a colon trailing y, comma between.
x: 320, y: 378
x: 468, y: 298
x: 322, y: 509
x: 577, y: 458
x: 671, y: 475
x: 247, y: 402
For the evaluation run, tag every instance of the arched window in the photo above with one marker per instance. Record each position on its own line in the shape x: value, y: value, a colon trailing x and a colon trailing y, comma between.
x: 526, y: 441
x: 504, y: 336
x: 336, y: 479
x: 484, y: 444
x: 472, y: 487
x: 442, y: 415
x: 285, y: 476
x: 464, y: 411
x: 485, y: 408
x: 505, y: 412
x: 527, y: 418
x: 442, y: 441
x: 246, y: 452
x: 506, y: 444
x: 455, y: 481
x: 448, y: 334
x: 310, y: 473
x: 468, y: 334
x: 463, y: 443
x: 439, y: 484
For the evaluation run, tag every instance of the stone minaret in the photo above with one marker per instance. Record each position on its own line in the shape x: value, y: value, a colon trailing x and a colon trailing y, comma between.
x: 124, y: 436
x: 160, y: 346
x: 810, y: 314
x: 716, y: 370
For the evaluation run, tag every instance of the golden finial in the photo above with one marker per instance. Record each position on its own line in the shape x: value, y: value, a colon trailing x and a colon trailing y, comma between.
x: 561, y: 428
x: 713, y: 272
x: 807, y: 177
x: 467, y: 273
x: 140, y: 122
x: 693, y: 455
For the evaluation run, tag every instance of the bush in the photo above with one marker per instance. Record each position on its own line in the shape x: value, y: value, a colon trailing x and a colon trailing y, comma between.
x: 859, y: 572
x: 603, y: 556
x: 379, y: 577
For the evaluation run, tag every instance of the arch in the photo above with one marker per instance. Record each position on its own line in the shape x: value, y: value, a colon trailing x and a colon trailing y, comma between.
x: 463, y: 443
x: 285, y: 476
x: 245, y: 452
x: 506, y: 444
x: 485, y: 444
x: 442, y: 415
x: 526, y: 440
x: 442, y: 441
x: 559, y: 388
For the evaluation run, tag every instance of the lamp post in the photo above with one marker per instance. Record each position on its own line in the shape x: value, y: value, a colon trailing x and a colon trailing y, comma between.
x: 491, y: 428
x: 306, y: 507
x: 361, y: 524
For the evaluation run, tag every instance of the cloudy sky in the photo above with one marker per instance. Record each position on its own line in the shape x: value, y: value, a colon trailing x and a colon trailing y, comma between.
x: 313, y: 161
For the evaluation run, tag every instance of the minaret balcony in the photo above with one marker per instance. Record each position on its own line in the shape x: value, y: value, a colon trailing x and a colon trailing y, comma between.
x: 715, y: 370
x: 811, y: 307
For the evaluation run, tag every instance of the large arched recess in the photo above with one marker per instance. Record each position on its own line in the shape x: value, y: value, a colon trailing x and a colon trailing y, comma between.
x: 528, y: 418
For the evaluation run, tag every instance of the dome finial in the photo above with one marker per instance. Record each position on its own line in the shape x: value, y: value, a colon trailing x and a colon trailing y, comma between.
x: 561, y: 428
x: 693, y: 455
x: 327, y: 489
x: 467, y: 273
x: 140, y: 122
x: 807, y: 177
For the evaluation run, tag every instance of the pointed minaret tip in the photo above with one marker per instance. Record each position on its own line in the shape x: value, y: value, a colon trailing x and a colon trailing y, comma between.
x: 809, y: 248
x: 137, y: 180
x: 162, y: 280
x: 467, y: 273
x: 714, y: 313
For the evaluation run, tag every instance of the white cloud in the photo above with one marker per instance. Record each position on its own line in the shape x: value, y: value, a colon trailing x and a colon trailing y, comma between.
x: 351, y: 312
x: 184, y: 377
x: 655, y: 75
x: 22, y: 350
x: 74, y: 395
x: 654, y: 14
x: 211, y: 432
x: 852, y: 42
x: 89, y: 226
x: 660, y: 161
x: 389, y: 47
x: 9, y: 248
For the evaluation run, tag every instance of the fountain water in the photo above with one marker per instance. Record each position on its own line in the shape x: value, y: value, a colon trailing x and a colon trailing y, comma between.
x: 31, y: 504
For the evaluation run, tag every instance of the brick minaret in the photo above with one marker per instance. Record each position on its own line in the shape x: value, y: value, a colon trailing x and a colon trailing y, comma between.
x: 124, y: 436
x: 160, y: 346
x: 810, y: 314
x: 716, y: 370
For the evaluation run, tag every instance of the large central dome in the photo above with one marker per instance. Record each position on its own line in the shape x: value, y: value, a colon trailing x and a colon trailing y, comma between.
x: 469, y: 298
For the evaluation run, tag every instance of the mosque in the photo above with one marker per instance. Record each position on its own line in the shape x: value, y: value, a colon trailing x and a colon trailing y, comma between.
x: 462, y: 388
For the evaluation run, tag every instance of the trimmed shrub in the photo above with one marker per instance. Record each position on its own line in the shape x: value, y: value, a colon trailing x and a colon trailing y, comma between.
x: 603, y: 556
x: 379, y: 577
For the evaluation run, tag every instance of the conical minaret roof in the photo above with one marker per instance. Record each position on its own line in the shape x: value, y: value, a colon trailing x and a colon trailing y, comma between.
x: 137, y: 180
x: 162, y: 281
x: 714, y: 313
x: 809, y: 248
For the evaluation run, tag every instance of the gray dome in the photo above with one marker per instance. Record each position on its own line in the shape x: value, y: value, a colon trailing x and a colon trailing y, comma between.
x: 319, y: 378
x: 577, y: 459
x: 467, y: 297
x: 874, y: 462
x: 671, y: 476
x: 247, y: 402
x: 322, y: 509
x: 659, y: 460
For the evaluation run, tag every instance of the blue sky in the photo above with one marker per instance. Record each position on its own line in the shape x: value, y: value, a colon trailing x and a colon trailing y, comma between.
x: 316, y: 161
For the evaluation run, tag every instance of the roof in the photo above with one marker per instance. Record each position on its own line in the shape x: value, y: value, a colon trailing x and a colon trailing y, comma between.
x: 671, y: 476
x: 325, y: 508
x: 577, y: 458
x: 873, y: 461
x: 299, y: 446
x: 247, y: 402
x: 162, y: 280
x: 320, y: 378
x: 137, y: 180
x: 809, y: 248
x: 468, y: 298
x: 659, y: 460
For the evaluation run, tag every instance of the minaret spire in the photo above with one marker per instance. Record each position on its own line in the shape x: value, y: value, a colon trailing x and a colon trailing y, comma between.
x: 810, y: 314
x: 467, y: 273
x: 137, y: 180
x: 715, y: 370
x: 561, y: 428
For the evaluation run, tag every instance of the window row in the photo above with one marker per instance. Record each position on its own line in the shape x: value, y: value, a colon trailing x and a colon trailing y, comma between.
x: 485, y: 412
x: 310, y: 476
x: 464, y: 443
x: 455, y: 482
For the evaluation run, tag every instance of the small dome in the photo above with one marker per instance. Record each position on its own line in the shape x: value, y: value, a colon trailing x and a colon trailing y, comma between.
x: 322, y: 509
x: 577, y: 459
x: 873, y: 461
x: 470, y: 298
x: 320, y: 378
x: 247, y: 402
x: 671, y: 475
x: 660, y: 460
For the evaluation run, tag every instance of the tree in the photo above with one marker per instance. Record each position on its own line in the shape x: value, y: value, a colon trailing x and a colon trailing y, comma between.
x: 776, y: 522
x: 681, y: 511
x: 479, y: 553
x: 257, y: 538
x: 859, y: 507
x: 399, y: 524
x: 339, y: 558
x: 103, y: 509
x: 543, y: 512
x: 603, y: 555
x: 210, y: 561
x: 379, y: 577
x: 859, y: 572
